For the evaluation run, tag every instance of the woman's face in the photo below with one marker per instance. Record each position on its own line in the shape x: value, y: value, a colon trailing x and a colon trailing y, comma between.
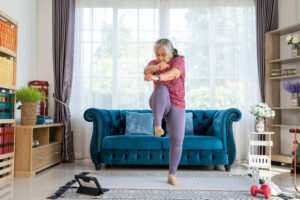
x: 162, y: 55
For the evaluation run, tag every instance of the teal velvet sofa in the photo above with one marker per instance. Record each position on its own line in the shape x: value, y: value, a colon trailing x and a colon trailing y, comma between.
x: 212, y: 142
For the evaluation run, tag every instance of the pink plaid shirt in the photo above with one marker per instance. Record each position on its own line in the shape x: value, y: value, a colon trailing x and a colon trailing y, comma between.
x: 175, y: 86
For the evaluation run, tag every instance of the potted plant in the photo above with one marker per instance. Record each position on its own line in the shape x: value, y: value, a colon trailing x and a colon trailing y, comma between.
x: 261, y: 111
x: 294, y: 40
x: 294, y: 89
x: 29, y: 97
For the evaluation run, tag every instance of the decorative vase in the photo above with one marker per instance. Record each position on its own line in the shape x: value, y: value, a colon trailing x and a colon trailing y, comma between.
x: 295, y: 50
x: 295, y: 99
x: 28, y: 113
x: 260, y: 125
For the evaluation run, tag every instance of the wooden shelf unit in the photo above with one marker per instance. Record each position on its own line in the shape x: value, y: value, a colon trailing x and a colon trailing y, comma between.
x: 272, y: 88
x: 285, y: 60
x: 7, y: 160
x: 285, y: 108
x: 285, y: 77
x: 30, y: 160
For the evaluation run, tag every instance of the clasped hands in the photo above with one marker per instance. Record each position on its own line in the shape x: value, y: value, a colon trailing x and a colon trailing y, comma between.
x: 159, y: 66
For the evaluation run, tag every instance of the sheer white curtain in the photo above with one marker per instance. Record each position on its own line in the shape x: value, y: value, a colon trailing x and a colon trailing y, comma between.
x: 114, y: 41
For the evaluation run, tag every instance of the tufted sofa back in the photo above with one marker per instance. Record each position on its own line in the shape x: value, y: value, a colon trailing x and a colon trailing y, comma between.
x: 202, y: 120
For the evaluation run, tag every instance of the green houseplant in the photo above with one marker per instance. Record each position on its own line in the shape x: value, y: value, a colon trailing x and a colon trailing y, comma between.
x: 29, y: 97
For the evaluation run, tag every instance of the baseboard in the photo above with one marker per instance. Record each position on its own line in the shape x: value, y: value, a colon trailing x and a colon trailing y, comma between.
x: 78, y: 155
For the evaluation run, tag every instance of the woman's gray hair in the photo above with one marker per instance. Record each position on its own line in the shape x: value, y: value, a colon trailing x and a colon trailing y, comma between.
x: 166, y: 44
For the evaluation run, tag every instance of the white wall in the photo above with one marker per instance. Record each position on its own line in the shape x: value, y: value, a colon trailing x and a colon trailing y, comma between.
x: 288, y: 12
x: 25, y: 12
x: 288, y: 15
x: 44, y: 53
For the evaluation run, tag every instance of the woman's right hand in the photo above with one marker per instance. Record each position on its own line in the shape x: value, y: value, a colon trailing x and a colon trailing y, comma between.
x: 162, y: 65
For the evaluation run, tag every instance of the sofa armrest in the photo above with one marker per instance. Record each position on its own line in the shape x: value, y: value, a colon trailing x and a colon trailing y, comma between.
x: 222, y: 126
x: 100, y: 129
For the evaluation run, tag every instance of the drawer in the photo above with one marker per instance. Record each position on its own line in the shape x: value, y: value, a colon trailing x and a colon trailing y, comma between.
x: 55, y: 153
x: 46, y: 156
x: 39, y: 158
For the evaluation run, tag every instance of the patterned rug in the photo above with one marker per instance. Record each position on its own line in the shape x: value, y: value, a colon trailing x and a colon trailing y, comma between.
x: 152, y: 185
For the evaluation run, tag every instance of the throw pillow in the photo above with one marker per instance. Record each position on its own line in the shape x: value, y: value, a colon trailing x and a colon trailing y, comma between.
x: 139, y: 123
x: 189, y: 127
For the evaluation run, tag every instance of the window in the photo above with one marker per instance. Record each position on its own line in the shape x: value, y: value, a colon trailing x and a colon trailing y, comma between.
x: 115, y: 42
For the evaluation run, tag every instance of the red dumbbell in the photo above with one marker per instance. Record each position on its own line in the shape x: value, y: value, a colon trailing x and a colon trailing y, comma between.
x: 264, y: 189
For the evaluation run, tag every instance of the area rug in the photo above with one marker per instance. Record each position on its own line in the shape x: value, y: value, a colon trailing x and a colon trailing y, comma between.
x: 136, y: 185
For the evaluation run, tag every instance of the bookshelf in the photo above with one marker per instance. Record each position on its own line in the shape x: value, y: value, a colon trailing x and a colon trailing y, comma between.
x: 8, y: 69
x: 272, y: 88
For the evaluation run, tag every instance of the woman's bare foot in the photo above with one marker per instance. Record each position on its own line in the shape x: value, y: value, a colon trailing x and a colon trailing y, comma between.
x: 158, y: 131
x: 172, y: 180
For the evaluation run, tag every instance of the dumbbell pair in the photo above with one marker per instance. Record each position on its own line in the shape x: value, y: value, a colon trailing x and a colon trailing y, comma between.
x: 264, y: 189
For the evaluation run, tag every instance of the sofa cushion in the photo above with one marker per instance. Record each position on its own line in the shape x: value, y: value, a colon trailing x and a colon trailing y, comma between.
x: 132, y: 142
x: 197, y: 142
x: 139, y: 123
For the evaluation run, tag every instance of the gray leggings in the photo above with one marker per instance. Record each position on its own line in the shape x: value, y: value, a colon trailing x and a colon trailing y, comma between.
x: 175, y: 117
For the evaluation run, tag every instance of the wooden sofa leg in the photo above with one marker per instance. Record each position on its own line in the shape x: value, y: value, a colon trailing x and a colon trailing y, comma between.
x: 227, y: 168
x: 98, y: 166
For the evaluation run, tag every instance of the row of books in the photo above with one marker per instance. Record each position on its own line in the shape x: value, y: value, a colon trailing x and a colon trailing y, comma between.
x: 6, y: 71
x: 7, y: 105
x: 7, y: 36
x: 6, y: 140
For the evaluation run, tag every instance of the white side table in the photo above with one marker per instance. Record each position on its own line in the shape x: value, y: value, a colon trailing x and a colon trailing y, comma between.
x: 255, y: 160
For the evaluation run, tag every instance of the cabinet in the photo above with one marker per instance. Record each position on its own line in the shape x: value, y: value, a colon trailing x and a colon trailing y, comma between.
x: 8, y: 69
x: 28, y: 159
x: 273, y: 85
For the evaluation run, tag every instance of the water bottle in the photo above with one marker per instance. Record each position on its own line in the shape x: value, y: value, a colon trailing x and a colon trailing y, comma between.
x: 255, y: 176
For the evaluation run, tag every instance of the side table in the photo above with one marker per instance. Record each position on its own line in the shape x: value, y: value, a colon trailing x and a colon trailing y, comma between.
x: 255, y: 160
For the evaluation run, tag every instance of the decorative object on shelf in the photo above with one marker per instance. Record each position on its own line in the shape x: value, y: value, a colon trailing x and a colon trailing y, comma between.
x: 44, y: 120
x: 35, y: 143
x: 283, y: 72
x: 294, y: 40
x: 294, y: 89
x: 261, y: 111
x: 29, y: 98
x: 42, y: 86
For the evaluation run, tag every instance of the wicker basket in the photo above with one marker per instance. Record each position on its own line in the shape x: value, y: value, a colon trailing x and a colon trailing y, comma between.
x: 28, y: 113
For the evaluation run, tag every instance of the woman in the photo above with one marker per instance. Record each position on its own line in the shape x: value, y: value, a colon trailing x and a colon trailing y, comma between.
x: 167, y: 100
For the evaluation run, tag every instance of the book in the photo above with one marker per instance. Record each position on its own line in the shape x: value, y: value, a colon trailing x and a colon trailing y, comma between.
x: 7, y: 105
x: 1, y: 141
x: 7, y: 36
